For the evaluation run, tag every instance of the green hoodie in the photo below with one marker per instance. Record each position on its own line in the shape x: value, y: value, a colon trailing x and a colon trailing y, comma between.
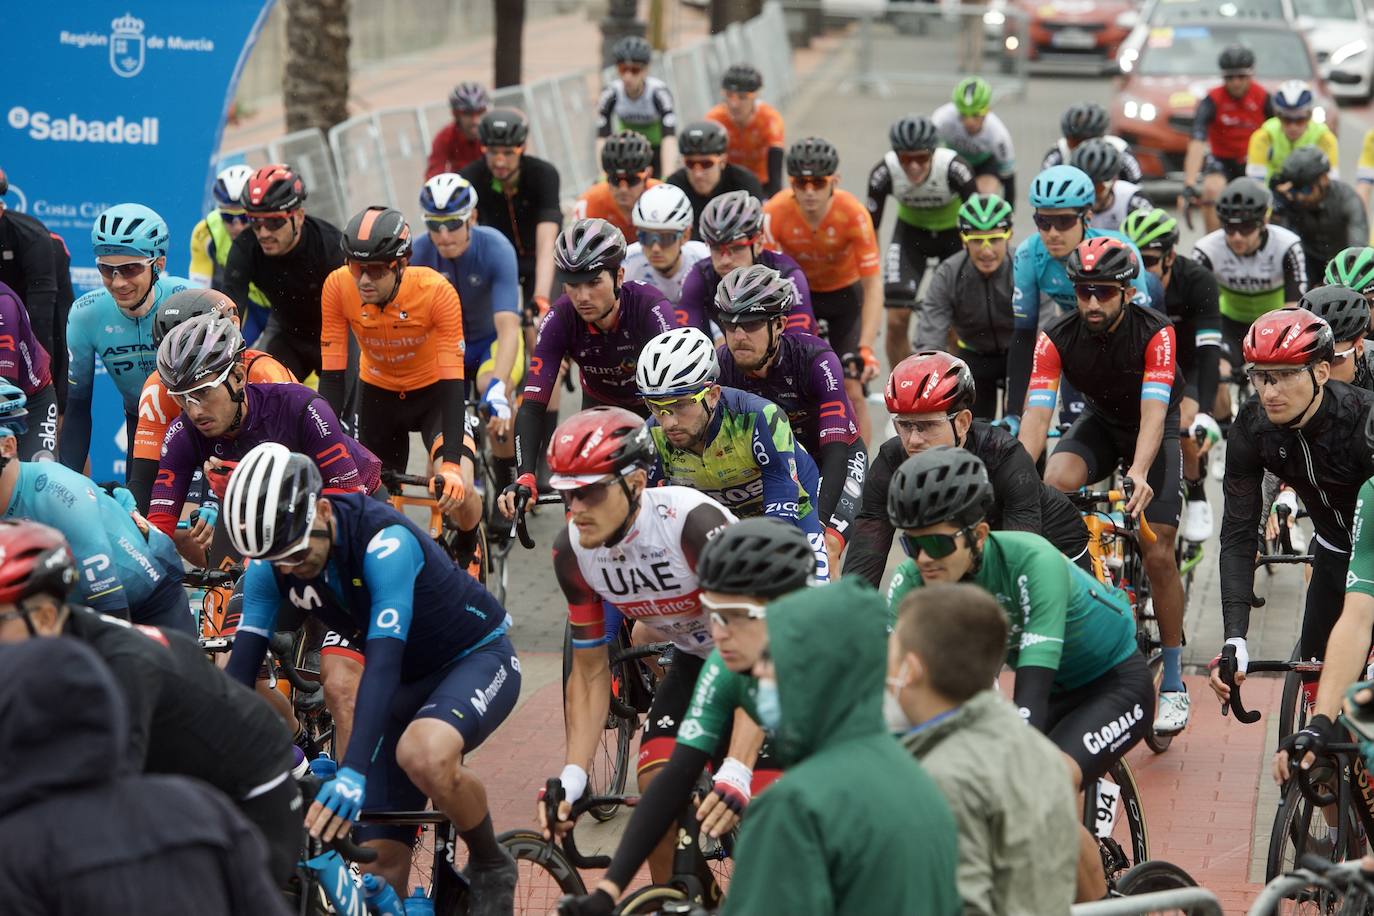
x: 855, y: 825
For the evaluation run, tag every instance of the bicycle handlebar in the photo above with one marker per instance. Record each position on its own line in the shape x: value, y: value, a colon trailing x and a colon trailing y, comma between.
x: 554, y: 795
x: 1226, y: 670
x: 519, y: 527
x: 212, y: 578
x: 433, y: 485
x: 283, y: 649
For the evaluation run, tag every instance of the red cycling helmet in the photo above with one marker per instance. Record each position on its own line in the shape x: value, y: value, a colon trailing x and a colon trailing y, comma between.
x: 594, y: 444
x: 1289, y: 337
x: 273, y: 189
x: 33, y: 558
x: 930, y: 381
x: 1102, y: 260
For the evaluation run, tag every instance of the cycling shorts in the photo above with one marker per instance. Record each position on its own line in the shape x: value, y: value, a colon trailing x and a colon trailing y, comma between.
x: 908, y: 256
x: 1096, y: 724
x: 1230, y: 168
x: 386, y: 419
x: 842, y: 311
x: 1324, y: 602
x: 480, y: 359
x: 989, y: 381
x: 39, y: 441
x: 297, y: 352
x: 1101, y: 445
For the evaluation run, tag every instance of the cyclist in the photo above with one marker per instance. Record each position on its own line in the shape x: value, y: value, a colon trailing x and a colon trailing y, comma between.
x: 34, y: 262
x: 1353, y: 267
x: 633, y: 549
x: 1222, y: 125
x: 640, y: 103
x: 830, y: 234
x: 706, y: 173
x: 732, y: 227
x: 664, y: 252
x: 733, y: 446
x: 517, y: 195
x: 409, y: 327
x: 967, y: 309
x: 740, y: 571
x: 1191, y: 301
x: 929, y: 396
x: 968, y: 125
x: 25, y: 364
x: 1079, y: 673
x: 1292, y: 126
x: 600, y: 322
x: 1347, y: 313
x: 756, y: 128
x: 212, y: 237
x: 288, y: 254
x: 441, y: 673
x: 1299, y: 412
x: 458, y: 144
x: 1116, y: 197
x: 1258, y: 268
x: 1123, y: 357
x: 627, y: 160
x: 929, y: 183
x: 1062, y: 197
x: 184, y: 716
x: 1083, y: 121
x: 115, y: 323
x: 1323, y: 211
x: 800, y: 374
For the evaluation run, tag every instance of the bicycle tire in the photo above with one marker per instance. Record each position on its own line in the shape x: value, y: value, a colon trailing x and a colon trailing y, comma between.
x: 1153, y: 740
x: 545, y: 872
x: 1137, y: 850
x: 648, y: 900
x: 1153, y: 875
x: 1291, y: 833
x: 1292, y: 713
x: 610, y: 767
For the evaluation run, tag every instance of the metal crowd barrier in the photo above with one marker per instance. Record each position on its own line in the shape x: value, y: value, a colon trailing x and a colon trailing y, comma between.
x: 1195, y: 901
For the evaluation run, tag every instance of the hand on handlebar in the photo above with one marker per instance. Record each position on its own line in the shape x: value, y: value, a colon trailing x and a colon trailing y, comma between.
x: 870, y: 364
x: 497, y: 399
x: 724, y: 805
x: 1304, y: 746
x: 450, y: 495
x: 1220, y: 687
x: 1141, y: 491
x: 521, y: 493
x: 556, y: 799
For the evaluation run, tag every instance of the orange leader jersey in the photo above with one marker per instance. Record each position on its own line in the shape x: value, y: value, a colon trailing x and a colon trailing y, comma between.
x: 596, y: 203
x: 415, y: 341
x: 749, y: 145
x: 157, y: 410
x: 836, y: 253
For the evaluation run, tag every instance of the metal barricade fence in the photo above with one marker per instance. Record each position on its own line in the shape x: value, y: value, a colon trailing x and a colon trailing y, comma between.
x: 1195, y: 901
x: 309, y: 155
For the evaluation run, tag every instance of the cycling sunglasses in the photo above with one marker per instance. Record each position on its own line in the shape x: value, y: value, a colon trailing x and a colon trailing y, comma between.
x: 811, y: 182
x: 630, y: 68
x: 1273, y: 377
x: 1151, y: 260
x: 666, y: 407
x: 725, y: 614
x: 923, y: 428
x: 234, y: 217
x: 662, y: 238
x: 1062, y: 222
x: 1249, y: 227
x: 1300, y: 119
x: 591, y: 495
x: 270, y: 223
x: 447, y: 223
x: 724, y: 248
x: 626, y: 179
x: 935, y: 546
x: 1342, y: 355
x: 920, y: 157
x: 700, y: 164
x: 128, y: 271
x: 375, y: 270
x: 748, y: 326
x: 1238, y: 75
x: 1102, y: 292
x: 984, y: 239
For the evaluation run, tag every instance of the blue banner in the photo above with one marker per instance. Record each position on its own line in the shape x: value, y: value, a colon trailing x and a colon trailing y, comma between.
x: 107, y: 104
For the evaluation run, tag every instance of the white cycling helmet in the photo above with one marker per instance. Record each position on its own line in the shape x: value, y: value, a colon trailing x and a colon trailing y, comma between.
x: 676, y: 362
x: 270, y: 502
x: 448, y: 194
x: 1294, y: 97
x: 664, y: 206
x: 229, y: 185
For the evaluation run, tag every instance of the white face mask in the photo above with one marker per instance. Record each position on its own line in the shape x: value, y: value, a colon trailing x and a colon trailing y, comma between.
x: 894, y: 716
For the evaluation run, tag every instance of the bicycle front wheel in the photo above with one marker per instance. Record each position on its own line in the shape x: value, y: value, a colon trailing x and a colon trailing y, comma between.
x: 649, y: 900
x: 1300, y: 827
x: 1151, y: 876
x: 546, y: 875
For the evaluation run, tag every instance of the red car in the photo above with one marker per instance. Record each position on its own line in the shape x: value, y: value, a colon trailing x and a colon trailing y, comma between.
x: 1074, y: 31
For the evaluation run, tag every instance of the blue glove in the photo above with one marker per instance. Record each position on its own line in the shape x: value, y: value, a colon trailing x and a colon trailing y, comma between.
x: 207, y: 513
x: 1011, y: 423
x: 343, y: 795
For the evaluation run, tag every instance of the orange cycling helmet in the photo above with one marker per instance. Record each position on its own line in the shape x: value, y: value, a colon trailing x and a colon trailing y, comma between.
x: 930, y: 381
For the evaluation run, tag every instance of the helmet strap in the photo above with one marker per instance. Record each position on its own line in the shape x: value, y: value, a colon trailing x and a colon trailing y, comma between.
x: 1302, y: 416
x: 774, y: 340
x: 630, y: 513
x: 238, y: 397
x: 395, y: 287
x: 974, y: 550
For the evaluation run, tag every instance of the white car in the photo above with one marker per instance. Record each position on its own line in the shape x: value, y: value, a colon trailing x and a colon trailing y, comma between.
x: 1341, y: 33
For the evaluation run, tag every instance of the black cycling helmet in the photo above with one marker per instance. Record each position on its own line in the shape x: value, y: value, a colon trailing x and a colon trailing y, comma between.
x: 1084, y: 120
x: 1234, y: 58
x: 913, y: 132
x: 702, y: 138
x: 736, y: 215
x: 1304, y: 166
x: 756, y: 291
x: 1346, y: 310
x: 757, y: 556
x: 377, y: 234
x: 586, y: 248
x: 185, y: 305
x: 1243, y: 200
x: 940, y: 484
x: 198, y: 353
x: 503, y: 127
x: 632, y: 49
x: 1098, y: 159
x: 469, y: 97
x: 741, y: 78
x: 812, y: 157
x: 626, y: 151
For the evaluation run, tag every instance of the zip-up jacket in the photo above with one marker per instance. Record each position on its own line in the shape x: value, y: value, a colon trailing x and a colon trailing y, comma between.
x: 978, y: 307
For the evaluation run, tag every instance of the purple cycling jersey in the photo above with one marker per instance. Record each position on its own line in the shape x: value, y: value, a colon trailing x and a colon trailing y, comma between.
x: 606, y: 359
x: 23, y: 360
x: 697, y: 307
x: 284, y: 412
x: 806, y: 381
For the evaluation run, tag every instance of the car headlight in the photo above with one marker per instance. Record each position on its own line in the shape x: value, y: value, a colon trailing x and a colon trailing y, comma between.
x: 1139, y: 111
x: 1319, y: 114
x: 1347, y: 51
x: 1013, y: 42
x: 994, y: 17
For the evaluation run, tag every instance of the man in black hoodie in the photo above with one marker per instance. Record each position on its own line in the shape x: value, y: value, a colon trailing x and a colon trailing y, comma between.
x: 81, y: 832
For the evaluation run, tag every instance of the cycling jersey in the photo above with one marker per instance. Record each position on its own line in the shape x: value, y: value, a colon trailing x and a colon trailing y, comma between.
x: 1021, y: 501
x: 1126, y: 199
x: 413, y: 341
x: 975, y: 305
x: 1191, y: 300
x: 1360, y: 577
x: 290, y: 414
x: 23, y: 361
x: 515, y: 207
x: 1269, y: 148
x: 697, y: 307
x: 719, y: 692
x: 34, y: 263
x: 1060, y: 154
x: 931, y: 204
x: 1225, y: 122
x: 389, y: 587
x: 487, y: 277
x: 750, y: 142
x: 648, y: 576
x: 639, y: 270
x: 1256, y: 283
x: 732, y: 178
x: 451, y: 151
x: 597, y: 203
x: 837, y: 252
x: 1059, y: 616
x: 210, y: 243
x: 1338, y: 221
x: 292, y: 281
x: 650, y: 113
x: 991, y: 146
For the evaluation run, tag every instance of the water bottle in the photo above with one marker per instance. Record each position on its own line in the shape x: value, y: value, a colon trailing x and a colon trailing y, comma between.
x: 417, y: 904
x: 381, y: 898
x: 324, y: 768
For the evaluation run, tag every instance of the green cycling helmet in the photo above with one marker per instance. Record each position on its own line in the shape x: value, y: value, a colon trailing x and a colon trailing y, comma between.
x: 1352, y: 268
x: 1151, y: 229
x: 984, y: 213
x: 973, y: 96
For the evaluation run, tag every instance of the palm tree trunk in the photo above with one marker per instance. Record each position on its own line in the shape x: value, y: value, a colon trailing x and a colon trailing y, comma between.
x: 510, y: 43
x: 315, y: 84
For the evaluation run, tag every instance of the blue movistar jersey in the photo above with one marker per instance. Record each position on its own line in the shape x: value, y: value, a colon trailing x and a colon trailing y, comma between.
x: 1037, y: 275
x: 388, y: 587
x: 487, y: 279
x: 119, y: 564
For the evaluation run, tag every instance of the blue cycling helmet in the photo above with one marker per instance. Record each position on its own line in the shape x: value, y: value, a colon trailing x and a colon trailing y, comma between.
x: 129, y: 229
x: 13, y: 412
x: 448, y: 194
x: 1060, y: 187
